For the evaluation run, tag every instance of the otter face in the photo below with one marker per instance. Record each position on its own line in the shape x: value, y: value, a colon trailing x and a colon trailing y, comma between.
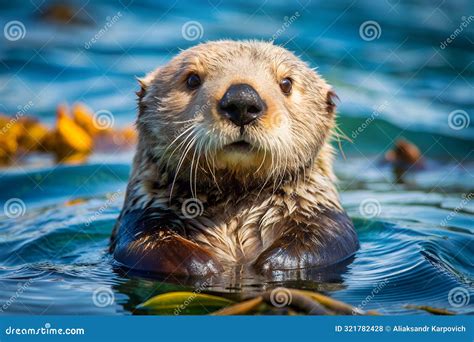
x: 250, y: 109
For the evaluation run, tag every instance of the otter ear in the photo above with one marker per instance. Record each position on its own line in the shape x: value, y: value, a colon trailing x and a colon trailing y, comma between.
x: 141, y: 93
x: 331, y: 98
x: 143, y: 85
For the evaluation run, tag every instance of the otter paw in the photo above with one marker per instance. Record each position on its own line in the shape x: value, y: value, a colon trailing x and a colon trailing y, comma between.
x: 281, y: 259
x: 291, y: 252
x: 170, y: 254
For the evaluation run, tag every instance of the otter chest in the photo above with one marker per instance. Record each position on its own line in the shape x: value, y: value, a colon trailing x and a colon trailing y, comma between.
x: 235, y: 234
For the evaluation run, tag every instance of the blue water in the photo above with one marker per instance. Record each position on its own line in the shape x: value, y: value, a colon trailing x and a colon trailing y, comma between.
x: 416, y: 236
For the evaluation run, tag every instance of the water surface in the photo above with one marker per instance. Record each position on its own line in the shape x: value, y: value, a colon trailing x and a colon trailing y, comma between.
x: 416, y: 236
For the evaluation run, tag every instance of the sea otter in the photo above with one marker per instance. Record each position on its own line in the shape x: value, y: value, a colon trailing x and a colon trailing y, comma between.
x: 233, y: 166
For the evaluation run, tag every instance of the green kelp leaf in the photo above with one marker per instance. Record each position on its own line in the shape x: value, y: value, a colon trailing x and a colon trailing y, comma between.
x: 181, y: 303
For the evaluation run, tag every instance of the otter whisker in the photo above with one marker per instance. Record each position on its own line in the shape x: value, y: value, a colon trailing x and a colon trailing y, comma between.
x: 187, y: 129
x: 181, y: 161
x: 263, y: 159
x: 283, y: 153
x: 186, y: 121
x: 275, y: 169
x: 283, y: 173
x: 267, y: 143
x: 190, y: 129
x: 277, y: 164
x: 264, y: 183
x: 193, y: 169
x: 337, y: 133
x: 211, y: 170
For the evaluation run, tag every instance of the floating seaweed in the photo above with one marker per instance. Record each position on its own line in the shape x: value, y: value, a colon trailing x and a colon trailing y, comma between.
x: 277, y: 301
x: 431, y: 310
x: 183, y: 302
x: 75, y: 135
x: 280, y: 301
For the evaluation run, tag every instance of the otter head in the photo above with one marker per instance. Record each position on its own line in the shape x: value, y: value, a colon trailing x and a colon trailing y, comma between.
x: 248, y: 110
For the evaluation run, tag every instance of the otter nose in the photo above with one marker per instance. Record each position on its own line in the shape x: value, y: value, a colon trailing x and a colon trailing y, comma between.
x: 241, y: 104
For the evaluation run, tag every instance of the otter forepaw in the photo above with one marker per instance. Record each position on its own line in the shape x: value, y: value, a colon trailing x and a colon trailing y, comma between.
x: 329, y: 240
x: 300, y: 250
x: 284, y: 256
x: 170, y: 254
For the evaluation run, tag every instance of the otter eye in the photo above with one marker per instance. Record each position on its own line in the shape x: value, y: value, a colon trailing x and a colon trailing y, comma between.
x: 285, y: 85
x: 193, y: 81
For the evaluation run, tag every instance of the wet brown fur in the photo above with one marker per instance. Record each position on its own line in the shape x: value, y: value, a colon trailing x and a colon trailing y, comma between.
x: 274, y: 207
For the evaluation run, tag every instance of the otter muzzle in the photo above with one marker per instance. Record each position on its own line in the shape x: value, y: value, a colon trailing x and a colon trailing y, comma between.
x: 241, y: 104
